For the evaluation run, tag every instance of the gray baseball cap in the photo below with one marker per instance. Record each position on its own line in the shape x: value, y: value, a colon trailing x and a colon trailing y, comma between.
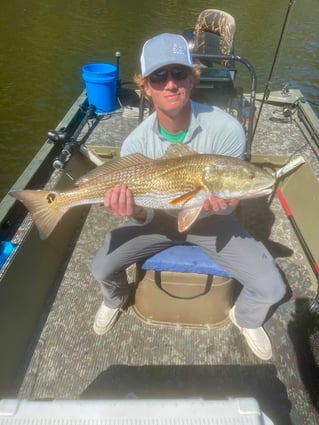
x: 164, y: 49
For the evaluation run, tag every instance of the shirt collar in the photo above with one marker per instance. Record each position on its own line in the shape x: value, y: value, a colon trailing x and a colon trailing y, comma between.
x: 194, y: 126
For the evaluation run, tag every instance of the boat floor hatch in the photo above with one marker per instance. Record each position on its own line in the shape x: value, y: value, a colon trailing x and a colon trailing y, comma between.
x: 133, y: 412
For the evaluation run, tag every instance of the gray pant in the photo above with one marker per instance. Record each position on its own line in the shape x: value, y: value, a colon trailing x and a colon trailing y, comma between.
x: 221, y: 237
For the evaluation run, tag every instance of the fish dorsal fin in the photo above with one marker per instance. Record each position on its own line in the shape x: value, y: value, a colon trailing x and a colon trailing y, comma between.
x: 187, y: 217
x: 178, y: 150
x: 112, y: 166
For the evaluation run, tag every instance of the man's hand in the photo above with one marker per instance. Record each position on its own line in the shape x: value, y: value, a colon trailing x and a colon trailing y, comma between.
x: 218, y: 204
x: 119, y: 201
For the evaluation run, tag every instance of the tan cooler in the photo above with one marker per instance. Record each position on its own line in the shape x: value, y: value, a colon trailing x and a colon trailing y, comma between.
x: 183, y: 298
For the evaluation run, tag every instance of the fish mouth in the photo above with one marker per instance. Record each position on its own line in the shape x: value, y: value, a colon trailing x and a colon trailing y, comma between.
x: 264, y: 191
x: 246, y: 194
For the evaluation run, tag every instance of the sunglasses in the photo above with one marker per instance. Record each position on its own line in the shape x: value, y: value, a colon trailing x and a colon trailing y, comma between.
x: 176, y: 73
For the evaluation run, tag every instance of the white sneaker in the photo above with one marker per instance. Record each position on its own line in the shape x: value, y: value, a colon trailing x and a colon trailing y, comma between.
x: 105, y: 318
x: 257, y: 339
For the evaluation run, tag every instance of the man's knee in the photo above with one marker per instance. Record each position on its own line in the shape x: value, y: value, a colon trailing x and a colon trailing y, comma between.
x: 272, y: 289
x: 100, y: 267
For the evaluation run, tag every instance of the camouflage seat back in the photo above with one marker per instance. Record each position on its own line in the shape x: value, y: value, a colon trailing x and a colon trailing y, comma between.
x: 214, y: 32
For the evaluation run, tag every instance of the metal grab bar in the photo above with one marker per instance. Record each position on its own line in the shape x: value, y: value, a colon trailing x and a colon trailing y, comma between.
x: 253, y: 77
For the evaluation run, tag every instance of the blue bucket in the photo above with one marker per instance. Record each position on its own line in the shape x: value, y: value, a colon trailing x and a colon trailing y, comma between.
x: 100, y: 82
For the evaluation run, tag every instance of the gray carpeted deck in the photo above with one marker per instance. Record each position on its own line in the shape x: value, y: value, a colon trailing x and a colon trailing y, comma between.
x: 140, y: 360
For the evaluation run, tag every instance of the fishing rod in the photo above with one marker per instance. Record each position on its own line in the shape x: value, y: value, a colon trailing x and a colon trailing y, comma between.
x: 305, y: 247
x: 274, y: 63
x: 69, y: 143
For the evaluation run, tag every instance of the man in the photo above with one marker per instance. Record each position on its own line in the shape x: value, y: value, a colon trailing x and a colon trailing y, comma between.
x: 167, y: 77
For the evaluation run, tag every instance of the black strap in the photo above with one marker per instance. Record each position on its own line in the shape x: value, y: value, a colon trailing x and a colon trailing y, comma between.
x: 208, y: 285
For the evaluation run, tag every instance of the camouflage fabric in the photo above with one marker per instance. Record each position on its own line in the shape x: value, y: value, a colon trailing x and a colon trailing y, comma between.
x: 217, y: 22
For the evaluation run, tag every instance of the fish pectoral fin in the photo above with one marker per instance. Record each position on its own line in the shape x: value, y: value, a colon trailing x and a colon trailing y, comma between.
x: 185, y: 197
x: 187, y: 217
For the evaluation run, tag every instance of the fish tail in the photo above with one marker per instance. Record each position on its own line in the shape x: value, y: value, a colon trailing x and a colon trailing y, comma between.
x: 45, y: 211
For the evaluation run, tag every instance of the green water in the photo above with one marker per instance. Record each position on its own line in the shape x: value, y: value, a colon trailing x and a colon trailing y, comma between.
x: 45, y: 44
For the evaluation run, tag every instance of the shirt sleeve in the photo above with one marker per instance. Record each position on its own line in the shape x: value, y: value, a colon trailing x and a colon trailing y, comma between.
x: 216, y: 131
x: 233, y: 142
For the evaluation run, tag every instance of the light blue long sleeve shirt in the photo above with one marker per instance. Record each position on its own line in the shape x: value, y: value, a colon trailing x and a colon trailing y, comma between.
x: 211, y: 130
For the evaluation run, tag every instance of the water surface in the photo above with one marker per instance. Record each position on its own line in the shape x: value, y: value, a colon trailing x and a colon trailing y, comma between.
x: 45, y: 43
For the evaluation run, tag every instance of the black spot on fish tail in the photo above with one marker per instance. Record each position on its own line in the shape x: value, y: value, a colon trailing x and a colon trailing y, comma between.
x: 51, y: 197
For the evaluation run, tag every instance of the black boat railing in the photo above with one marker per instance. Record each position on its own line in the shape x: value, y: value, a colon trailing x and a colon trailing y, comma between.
x: 252, y: 73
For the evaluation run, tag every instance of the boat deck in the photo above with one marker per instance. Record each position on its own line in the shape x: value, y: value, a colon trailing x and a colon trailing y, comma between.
x: 140, y: 360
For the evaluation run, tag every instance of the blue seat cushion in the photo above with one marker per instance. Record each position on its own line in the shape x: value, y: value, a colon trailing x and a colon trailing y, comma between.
x: 183, y: 258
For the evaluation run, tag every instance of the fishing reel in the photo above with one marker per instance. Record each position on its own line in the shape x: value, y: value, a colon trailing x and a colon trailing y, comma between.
x: 61, y: 137
x: 64, y: 156
x: 69, y: 143
x: 58, y: 136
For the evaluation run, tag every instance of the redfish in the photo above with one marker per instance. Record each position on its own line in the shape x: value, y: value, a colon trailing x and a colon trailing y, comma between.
x: 180, y: 180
